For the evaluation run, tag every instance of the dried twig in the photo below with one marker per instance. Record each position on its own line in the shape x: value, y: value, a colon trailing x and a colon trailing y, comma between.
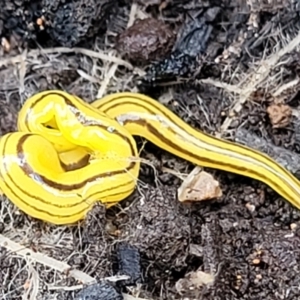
x: 45, y: 260
x: 64, y: 50
x: 57, y: 265
x: 257, y: 77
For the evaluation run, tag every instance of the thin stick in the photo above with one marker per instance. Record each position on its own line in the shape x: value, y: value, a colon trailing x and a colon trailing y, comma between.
x: 45, y: 260
x: 58, y: 266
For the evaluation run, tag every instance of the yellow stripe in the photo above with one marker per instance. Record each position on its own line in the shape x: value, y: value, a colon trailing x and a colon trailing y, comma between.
x: 35, y: 181
x: 68, y: 154
x: 195, y: 146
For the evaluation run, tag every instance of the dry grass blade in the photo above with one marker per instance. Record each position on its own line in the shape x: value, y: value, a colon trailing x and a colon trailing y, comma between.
x: 60, y: 266
x: 64, y: 50
x: 45, y: 260
x: 257, y: 77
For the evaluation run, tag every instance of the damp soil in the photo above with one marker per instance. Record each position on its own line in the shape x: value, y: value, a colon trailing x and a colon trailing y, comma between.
x: 236, y: 83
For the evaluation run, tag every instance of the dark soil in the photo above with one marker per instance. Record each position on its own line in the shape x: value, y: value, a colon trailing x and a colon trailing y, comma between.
x: 247, y: 241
